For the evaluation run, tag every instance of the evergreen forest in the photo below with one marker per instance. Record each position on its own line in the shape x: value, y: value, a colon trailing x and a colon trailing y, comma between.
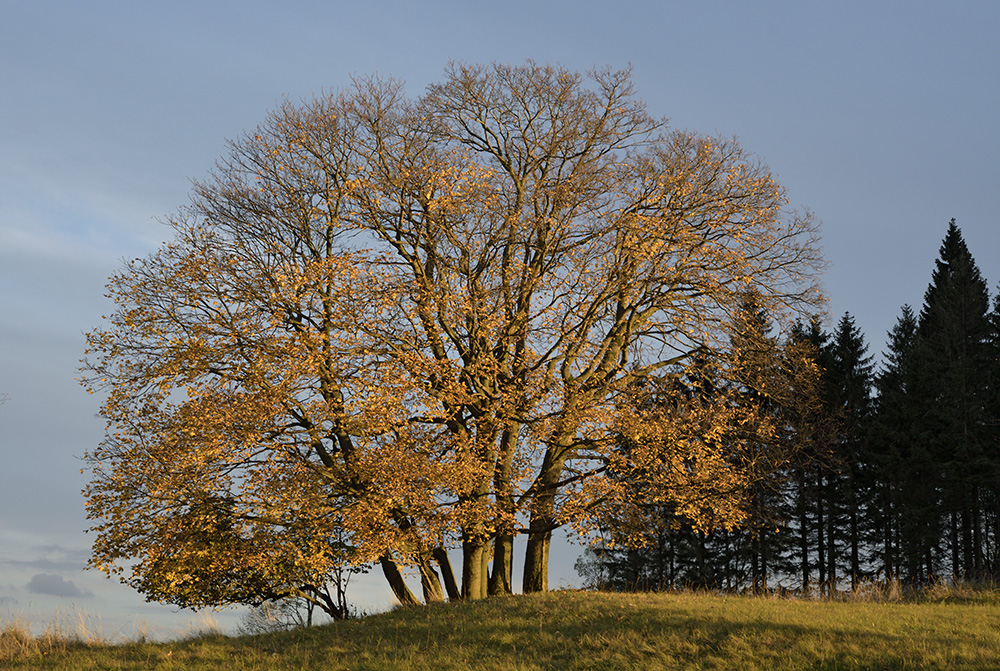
x: 890, y: 475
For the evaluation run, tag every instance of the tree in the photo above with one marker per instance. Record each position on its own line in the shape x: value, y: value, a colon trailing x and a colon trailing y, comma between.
x: 934, y: 424
x: 816, y: 430
x: 404, y: 324
x: 898, y: 459
x: 991, y: 493
x: 774, y: 385
x: 849, y: 384
x: 774, y: 390
x: 953, y: 364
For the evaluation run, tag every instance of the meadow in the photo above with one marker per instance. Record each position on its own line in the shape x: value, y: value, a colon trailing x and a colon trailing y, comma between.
x: 949, y: 629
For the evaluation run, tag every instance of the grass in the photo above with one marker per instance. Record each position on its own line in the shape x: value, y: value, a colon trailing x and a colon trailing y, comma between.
x: 582, y: 630
x: 18, y: 642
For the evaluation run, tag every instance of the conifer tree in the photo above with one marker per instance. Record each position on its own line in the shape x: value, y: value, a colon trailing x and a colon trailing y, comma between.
x: 952, y: 388
x: 893, y: 439
x: 991, y: 493
x: 849, y: 385
x: 934, y: 427
x: 653, y: 546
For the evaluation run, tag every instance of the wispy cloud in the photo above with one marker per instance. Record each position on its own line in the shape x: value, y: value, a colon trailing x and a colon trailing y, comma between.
x: 63, y: 565
x: 42, y: 557
x: 56, y: 585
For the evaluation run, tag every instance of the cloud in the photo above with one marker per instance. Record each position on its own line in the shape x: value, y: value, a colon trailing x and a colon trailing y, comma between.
x: 43, y: 558
x: 48, y: 583
x: 66, y: 565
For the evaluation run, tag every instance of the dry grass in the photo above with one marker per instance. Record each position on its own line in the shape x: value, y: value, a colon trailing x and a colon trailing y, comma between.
x: 67, y: 632
x: 888, y: 628
x: 205, y: 627
x: 940, y: 591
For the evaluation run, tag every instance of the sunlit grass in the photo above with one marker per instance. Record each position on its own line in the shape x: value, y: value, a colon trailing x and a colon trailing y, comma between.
x: 66, y: 631
x: 579, y: 630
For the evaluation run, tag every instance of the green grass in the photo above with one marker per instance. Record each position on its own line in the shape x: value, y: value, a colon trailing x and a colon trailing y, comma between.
x: 579, y: 630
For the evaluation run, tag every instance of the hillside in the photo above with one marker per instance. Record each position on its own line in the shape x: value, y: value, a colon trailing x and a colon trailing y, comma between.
x: 577, y: 630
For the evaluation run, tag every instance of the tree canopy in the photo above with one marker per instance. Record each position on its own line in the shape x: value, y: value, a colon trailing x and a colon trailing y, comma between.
x: 386, y: 327
x: 899, y: 486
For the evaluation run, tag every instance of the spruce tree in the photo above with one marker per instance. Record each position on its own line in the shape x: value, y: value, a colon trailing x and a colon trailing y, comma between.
x: 936, y: 465
x: 893, y: 460
x: 806, y: 500
x: 952, y: 388
x: 849, y: 385
x: 990, y: 493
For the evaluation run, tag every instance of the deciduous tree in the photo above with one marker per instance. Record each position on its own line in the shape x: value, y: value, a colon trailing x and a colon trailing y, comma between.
x: 753, y: 412
x: 405, y: 324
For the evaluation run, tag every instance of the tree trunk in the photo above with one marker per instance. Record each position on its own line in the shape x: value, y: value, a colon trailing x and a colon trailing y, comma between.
x: 968, y: 563
x: 888, y: 561
x: 503, y: 545
x: 475, y: 554
x: 702, y: 553
x: 402, y: 593
x: 763, y: 564
x: 803, y: 535
x: 956, y: 562
x: 831, y: 552
x: 503, y: 565
x: 855, y: 541
x: 450, y: 584
x: 484, y: 569
x: 820, y: 542
x: 977, y: 535
x: 429, y: 581
x: 536, y: 562
x: 542, y: 522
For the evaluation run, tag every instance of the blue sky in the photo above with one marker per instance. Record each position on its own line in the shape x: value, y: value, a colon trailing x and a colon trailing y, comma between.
x: 880, y: 117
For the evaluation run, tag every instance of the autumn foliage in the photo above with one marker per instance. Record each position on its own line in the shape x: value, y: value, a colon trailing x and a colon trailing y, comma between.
x: 389, y: 327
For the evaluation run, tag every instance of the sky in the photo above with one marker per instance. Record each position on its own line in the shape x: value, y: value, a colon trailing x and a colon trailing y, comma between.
x: 879, y: 117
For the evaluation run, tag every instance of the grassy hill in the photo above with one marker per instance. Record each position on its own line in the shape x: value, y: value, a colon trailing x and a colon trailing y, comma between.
x: 578, y: 630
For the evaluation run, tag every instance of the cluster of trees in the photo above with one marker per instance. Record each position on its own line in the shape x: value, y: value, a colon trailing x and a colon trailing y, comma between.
x: 392, y: 331
x: 896, y: 475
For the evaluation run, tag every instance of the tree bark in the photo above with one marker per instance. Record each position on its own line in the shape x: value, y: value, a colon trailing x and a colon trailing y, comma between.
x: 956, y: 562
x: 448, y: 574
x: 543, y: 520
x: 855, y: 540
x: 536, y: 562
x: 503, y: 545
x: 395, y: 579
x: 803, y: 534
x: 820, y: 541
x: 429, y: 581
x: 831, y: 544
x: 503, y: 564
x: 536, y: 552
x: 475, y: 555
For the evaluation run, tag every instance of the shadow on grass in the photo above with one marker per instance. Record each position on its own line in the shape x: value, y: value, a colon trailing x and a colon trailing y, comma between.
x: 599, y: 631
